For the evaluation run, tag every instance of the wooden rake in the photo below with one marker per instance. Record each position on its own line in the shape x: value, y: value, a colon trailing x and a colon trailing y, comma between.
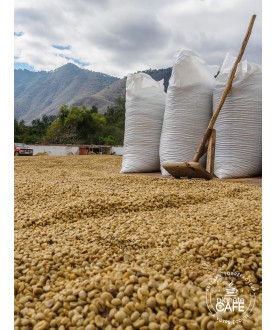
x: 193, y: 169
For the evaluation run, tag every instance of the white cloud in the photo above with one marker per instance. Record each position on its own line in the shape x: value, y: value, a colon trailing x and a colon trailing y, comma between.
x: 121, y: 36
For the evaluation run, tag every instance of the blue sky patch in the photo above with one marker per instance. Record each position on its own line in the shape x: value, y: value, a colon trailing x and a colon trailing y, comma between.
x: 75, y: 60
x: 61, y: 47
x: 18, y: 34
x: 24, y: 66
x: 80, y: 62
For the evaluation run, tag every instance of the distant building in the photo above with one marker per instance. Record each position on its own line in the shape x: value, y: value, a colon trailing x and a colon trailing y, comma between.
x: 68, y: 149
x: 94, y: 149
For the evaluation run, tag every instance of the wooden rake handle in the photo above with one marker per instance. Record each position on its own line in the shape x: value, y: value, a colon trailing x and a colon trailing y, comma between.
x: 201, y: 148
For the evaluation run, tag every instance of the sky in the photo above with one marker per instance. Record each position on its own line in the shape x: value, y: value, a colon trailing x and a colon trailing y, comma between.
x: 122, y: 36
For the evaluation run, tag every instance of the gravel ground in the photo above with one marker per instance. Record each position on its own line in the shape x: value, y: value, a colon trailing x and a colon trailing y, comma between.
x: 95, y: 249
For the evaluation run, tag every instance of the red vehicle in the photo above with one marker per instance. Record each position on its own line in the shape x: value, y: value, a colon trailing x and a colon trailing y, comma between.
x: 22, y: 149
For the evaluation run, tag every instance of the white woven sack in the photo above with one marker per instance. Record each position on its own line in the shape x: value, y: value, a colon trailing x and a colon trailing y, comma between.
x: 188, y: 108
x: 238, y: 127
x: 145, y: 104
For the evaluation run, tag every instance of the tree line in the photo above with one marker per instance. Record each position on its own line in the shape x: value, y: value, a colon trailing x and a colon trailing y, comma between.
x: 75, y: 125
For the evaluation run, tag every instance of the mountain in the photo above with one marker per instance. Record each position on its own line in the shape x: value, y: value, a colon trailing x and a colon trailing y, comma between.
x: 105, y: 97
x: 43, y: 93
x: 39, y: 93
x: 109, y: 94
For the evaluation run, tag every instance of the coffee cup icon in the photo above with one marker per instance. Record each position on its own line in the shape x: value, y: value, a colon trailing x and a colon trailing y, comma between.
x: 231, y: 291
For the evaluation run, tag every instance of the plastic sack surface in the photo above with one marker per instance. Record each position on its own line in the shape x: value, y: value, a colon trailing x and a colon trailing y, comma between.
x: 238, y: 149
x: 188, y: 108
x: 145, y: 104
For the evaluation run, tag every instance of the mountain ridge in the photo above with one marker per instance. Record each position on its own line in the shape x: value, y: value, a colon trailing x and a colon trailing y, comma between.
x: 44, y: 92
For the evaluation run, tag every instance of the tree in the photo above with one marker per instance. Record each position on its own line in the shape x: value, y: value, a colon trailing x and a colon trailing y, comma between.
x: 76, y: 125
x: 93, y: 109
x: 115, y: 117
x: 56, y: 134
x: 115, y: 114
x: 64, y: 111
x: 20, y: 131
x: 40, y: 126
x: 109, y: 140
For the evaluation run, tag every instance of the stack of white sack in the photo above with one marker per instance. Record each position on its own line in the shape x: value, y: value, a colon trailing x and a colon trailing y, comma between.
x: 145, y: 104
x: 188, y: 108
x: 238, y: 127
